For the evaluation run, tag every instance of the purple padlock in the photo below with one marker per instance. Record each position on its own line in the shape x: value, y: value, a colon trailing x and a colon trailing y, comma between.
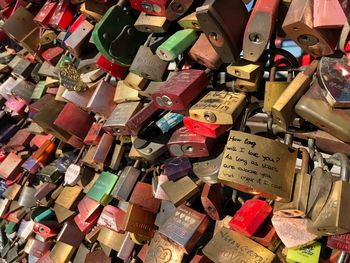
x: 177, y: 167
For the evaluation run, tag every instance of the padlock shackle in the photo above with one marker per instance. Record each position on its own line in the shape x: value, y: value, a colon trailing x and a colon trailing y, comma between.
x: 305, y: 159
x: 344, y: 164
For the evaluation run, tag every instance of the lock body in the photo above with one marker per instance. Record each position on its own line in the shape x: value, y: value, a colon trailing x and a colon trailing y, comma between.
x: 152, y: 7
x: 205, y: 129
x: 225, y: 34
x: 178, y: 92
x: 218, y: 107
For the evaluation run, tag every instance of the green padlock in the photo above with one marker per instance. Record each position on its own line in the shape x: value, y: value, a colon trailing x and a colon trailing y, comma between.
x: 307, y: 254
x: 11, y: 227
x: 39, y: 90
x: 116, y: 37
x: 176, y: 44
x: 102, y: 188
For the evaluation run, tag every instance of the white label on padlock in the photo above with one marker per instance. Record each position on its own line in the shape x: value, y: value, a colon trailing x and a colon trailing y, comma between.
x: 72, y: 175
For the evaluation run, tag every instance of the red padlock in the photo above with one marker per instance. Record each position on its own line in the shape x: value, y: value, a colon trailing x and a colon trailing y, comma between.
x: 143, y: 197
x: 339, y: 242
x: 45, y: 14
x: 152, y: 7
x: 62, y: 16
x: 112, y: 217
x: 8, y: 12
x: 77, y: 22
x: 250, y: 217
x: 178, y: 92
x: 94, y: 135
x: 213, y: 200
x: 112, y: 69
x: 52, y: 55
x: 186, y: 143
x: 205, y: 129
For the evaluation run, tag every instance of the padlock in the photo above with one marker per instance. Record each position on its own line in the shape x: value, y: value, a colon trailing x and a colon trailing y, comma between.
x: 6, y: 3
x: 266, y: 235
x: 163, y: 250
x: 148, y: 65
x: 142, y: 196
x: 69, y: 197
x: 124, y: 93
x: 85, y: 225
x: 333, y: 81
x: 176, y: 44
x: 117, y: 121
x: 218, y: 107
x: 207, y: 169
x: 112, y: 69
x: 151, y: 24
x: 110, y: 238
x: 298, y: 205
x: 167, y: 210
x: 47, y: 37
x: 94, y: 134
x: 61, y: 252
x: 102, y: 188
x: 52, y: 55
x: 205, y: 129
x: 203, y: 53
x: 94, y: 9
x: 44, y: 190
x: 101, y: 101
x: 259, y: 29
x: 22, y: 69
x: 293, y: 232
x: 310, y: 253
x: 298, y: 25
x: 139, y: 221
x: 20, y: 24
x: 112, y: 218
x: 99, y: 255
x: 180, y: 191
x: 190, y: 223
x: 152, y: 7
x: 313, y: 103
x: 89, y: 208
x: 70, y: 78
x: 188, y: 144
x: 74, y: 120
x: 230, y: 246
x: 135, y: 81
x: 330, y: 220
x: 250, y: 217
x: 11, y: 166
x: 157, y: 182
x: 176, y: 8
x: 212, y: 198
x: 143, y: 118
x: 328, y: 14
x: 44, y: 15
x: 177, y: 167
x: 70, y: 234
x: 19, y: 141
x: 250, y: 166
x: 38, y: 91
x: 63, y: 16
x: 117, y: 156
x: 77, y: 42
x: 283, y: 109
x: 189, y: 22
x: 119, y: 45
x: 23, y: 90
x: 126, y: 182
x: 80, y: 99
x: 102, y: 149
x: 225, y: 34
x: 149, y: 150
x: 37, y: 248
x: 274, y: 90
x: 26, y: 197
x: 178, y: 92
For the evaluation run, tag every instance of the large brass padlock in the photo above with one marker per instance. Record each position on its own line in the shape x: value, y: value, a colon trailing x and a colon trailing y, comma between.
x: 151, y: 24
x: 331, y: 219
x: 251, y: 166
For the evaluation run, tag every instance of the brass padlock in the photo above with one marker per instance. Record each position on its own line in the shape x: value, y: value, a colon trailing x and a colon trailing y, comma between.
x: 298, y: 25
x: 251, y: 85
x: 274, y: 90
x: 229, y: 246
x: 190, y: 21
x: 219, y: 107
x: 250, y: 166
x: 223, y: 32
x: 162, y: 250
x: 313, y: 103
x: 135, y: 81
x: 151, y: 24
x: 124, y: 93
x: 283, y: 109
x: 298, y: 205
x: 330, y: 220
x: 181, y: 190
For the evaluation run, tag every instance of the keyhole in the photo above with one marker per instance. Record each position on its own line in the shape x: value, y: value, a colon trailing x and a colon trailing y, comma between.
x: 255, y: 38
x: 177, y: 7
